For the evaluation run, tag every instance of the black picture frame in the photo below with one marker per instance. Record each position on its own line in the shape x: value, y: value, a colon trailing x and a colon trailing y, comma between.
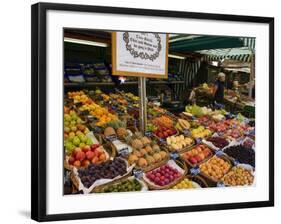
x: 39, y: 97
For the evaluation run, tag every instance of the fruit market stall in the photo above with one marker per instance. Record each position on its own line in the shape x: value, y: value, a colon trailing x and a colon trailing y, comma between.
x: 123, y: 133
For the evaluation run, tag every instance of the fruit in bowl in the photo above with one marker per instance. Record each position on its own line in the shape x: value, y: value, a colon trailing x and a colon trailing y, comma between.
x: 197, y: 154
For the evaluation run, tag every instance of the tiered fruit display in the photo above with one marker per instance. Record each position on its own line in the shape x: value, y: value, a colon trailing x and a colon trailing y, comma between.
x: 164, y: 175
x: 238, y: 176
x: 182, y: 125
x: 83, y: 157
x: 219, y: 142
x: 197, y: 154
x: 215, y: 168
x: 124, y: 186
x: 75, y: 132
x: 106, y: 170
x: 178, y: 143
x: 200, y: 132
x: 185, y: 184
x: 145, y: 153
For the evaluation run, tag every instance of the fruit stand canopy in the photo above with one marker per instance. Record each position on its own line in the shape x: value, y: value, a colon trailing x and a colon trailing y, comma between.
x: 214, y: 47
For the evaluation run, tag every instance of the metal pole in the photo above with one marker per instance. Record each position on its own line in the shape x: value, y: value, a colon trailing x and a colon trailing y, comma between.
x: 143, y: 104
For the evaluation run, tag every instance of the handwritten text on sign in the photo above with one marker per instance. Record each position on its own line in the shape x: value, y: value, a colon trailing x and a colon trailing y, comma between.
x: 140, y: 54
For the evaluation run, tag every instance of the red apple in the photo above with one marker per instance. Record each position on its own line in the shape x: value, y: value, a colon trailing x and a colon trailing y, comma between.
x: 85, y: 163
x: 86, y: 148
x: 77, y: 164
x: 80, y: 155
x: 95, y: 160
x: 90, y: 155
x: 75, y: 151
x: 71, y: 160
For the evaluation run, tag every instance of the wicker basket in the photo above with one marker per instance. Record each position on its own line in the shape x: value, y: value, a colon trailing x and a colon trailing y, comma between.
x: 210, y: 179
x: 197, y: 164
x: 109, y: 150
x: 187, y: 148
x: 199, y: 180
x: 176, y: 181
x: 155, y: 165
x: 101, y: 188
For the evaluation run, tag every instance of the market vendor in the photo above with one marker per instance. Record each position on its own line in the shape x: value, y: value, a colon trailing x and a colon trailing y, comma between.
x: 218, y: 92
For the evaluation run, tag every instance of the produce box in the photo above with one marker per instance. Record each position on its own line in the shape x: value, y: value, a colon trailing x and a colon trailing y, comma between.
x: 166, y: 176
x: 240, y: 175
x: 179, y: 143
x: 215, y: 168
x: 197, y: 155
x: 198, y: 179
x: 216, y: 142
x: 87, y: 179
x: 241, y: 154
x: 185, y: 183
x: 123, y: 185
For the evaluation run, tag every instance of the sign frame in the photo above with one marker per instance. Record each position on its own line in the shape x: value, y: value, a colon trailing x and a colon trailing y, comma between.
x: 136, y: 74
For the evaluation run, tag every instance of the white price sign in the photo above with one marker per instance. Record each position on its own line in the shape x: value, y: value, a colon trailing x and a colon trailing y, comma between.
x: 140, y: 54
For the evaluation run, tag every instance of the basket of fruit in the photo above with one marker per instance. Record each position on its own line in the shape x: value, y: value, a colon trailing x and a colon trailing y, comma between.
x: 179, y: 143
x: 161, y: 133
x: 147, y: 155
x: 215, y: 168
x: 197, y: 155
x: 216, y: 142
x: 197, y: 179
x: 87, y: 179
x: 200, y: 132
x: 185, y: 183
x: 166, y: 176
x: 83, y: 157
x: 124, y: 185
x: 240, y: 175
x: 241, y: 154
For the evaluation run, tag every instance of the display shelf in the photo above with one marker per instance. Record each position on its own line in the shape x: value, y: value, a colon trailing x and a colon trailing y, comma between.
x: 87, y: 84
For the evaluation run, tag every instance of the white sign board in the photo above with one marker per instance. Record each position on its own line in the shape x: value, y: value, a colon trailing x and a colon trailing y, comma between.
x: 140, y: 54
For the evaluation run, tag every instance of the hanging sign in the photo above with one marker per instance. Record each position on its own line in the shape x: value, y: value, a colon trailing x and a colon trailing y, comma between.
x: 140, y: 54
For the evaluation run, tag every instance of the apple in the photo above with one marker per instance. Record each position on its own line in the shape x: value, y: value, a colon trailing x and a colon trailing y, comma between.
x: 86, y: 148
x: 85, y: 162
x: 95, y: 160
x: 77, y: 164
x: 71, y: 160
x: 80, y: 155
x: 90, y: 155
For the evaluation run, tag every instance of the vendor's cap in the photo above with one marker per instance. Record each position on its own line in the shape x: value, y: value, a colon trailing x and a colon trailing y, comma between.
x: 221, y: 74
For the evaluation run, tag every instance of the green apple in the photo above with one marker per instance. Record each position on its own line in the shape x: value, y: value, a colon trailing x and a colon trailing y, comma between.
x: 89, y: 141
x: 82, y: 144
x: 67, y: 117
x: 66, y: 129
x: 76, y: 141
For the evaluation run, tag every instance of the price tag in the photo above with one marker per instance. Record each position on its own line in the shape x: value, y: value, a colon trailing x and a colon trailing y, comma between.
x: 137, y: 173
x: 194, y: 171
x: 186, y: 132
x: 219, y: 153
x: 111, y: 138
x: 162, y: 141
x: 124, y: 152
x: 220, y: 184
x: 148, y: 134
x: 174, y: 155
x: 198, y: 140
x: 236, y: 162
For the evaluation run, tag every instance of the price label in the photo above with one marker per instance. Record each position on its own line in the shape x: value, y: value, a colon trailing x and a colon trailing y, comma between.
x: 111, y: 138
x: 148, y: 134
x: 97, y: 129
x: 219, y: 153
x: 124, y: 152
x: 138, y: 173
x: 162, y: 141
x: 186, y: 132
x: 220, y: 184
x: 194, y: 171
x: 198, y: 140
x: 174, y: 155
x: 236, y: 162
